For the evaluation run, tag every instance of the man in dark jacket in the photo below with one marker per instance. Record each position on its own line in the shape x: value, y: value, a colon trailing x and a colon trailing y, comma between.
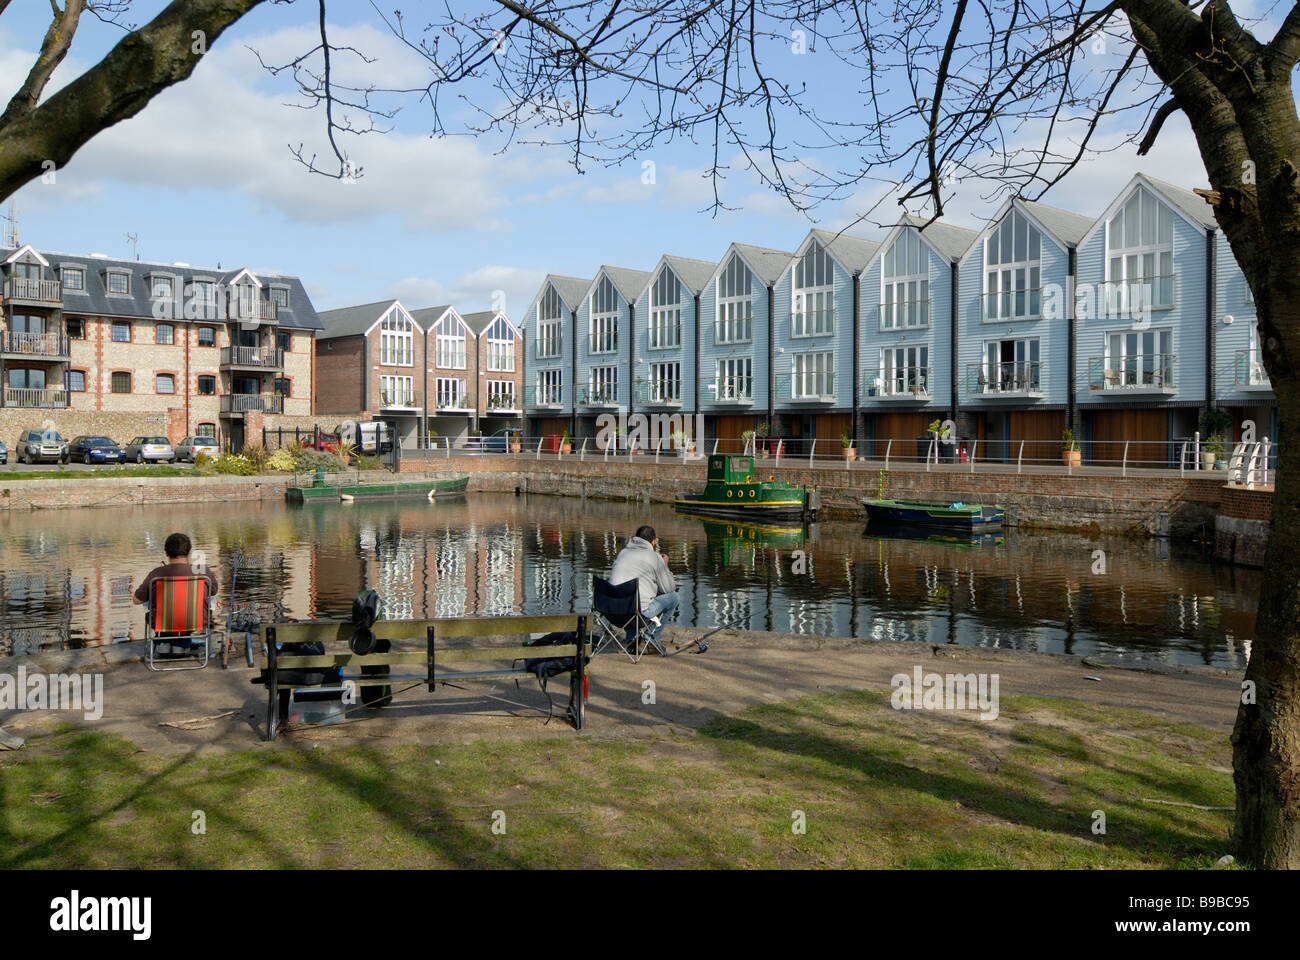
x: 641, y: 561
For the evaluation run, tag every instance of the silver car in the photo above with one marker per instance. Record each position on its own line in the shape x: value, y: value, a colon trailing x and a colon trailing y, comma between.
x: 41, y: 446
x: 146, y: 449
x: 187, y: 448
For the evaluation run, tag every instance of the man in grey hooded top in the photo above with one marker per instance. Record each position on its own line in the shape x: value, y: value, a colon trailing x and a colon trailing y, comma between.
x: 640, y: 560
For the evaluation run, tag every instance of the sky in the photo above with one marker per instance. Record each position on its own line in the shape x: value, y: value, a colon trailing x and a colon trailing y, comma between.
x: 204, y: 175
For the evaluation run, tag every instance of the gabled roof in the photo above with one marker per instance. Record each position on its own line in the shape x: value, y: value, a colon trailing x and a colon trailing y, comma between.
x: 852, y: 253
x: 629, y: 283
x: 570, y: 289
x: 27, y: 248
x: 480, y: 320
x: 300, y: 314
x: 950, y: 241
x: 427, y: 317
x: 356, y: 321
x: 1186, y: 204
x: 692, y: 274
x: 767, y: 264
x: 1064, y: 225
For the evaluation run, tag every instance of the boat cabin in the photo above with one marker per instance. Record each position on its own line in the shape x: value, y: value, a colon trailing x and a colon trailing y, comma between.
x: 724, y: 469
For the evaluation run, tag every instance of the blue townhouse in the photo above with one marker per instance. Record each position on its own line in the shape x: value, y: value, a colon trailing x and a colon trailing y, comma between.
x: 550, y: 362
x: 1013, y: 331
x: 605, y: 322
x: 907, y: 307
x: 666, y: 361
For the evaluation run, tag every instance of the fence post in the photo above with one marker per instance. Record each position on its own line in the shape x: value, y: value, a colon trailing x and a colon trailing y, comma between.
x: 1020, y: 457
x: 1266, y: 446
x: 975, y: 446
x: 264, y: 438
x: 812, y: 450
x: 540, y: 440
x: 582, y: 451
x: 889, y: 445
x: 780, y: 450
x: 1123, y: 470
x: 715, y: 445
x: 1196, y: 450
x: 1182, y: 460
x: 928, y: 450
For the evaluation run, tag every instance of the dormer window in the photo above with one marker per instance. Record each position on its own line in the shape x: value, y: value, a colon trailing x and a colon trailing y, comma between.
x: 550, y: 317
x: 119, y: 283
x: 74, y: 278
x: 280, y: 297
x: 396, y: 338
x: 1012, y: 267
x: 164, y: 288
x: 1140, y: 253
x: 665, y: 311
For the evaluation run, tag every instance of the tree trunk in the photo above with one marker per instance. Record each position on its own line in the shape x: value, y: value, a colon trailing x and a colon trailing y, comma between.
x: 1266, y: 738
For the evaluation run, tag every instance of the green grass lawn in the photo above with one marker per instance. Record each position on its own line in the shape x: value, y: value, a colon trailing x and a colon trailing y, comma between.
x: 877, y: 788
x: 149, y: 470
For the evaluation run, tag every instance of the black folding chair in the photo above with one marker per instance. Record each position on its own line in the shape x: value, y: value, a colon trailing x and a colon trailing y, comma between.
x: 618, y: 608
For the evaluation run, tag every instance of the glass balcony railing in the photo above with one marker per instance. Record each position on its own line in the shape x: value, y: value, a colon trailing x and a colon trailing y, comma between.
x: 812, y: 323
x: 730, y: 390
x: 544, y: 396
x: 805, y: 388
x: 603, y: 342
x: 904, y: 314
x: 1008, y: 306
x: 604, y: 396
x: 898, y: 383
x: 661, y: 394
x: 1018, y: 378
x: 549, y: 348
x: 1149, y: 373
x: 1250, y: 372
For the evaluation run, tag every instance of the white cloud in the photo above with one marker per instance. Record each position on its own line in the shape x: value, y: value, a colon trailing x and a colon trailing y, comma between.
x: 480, y: 289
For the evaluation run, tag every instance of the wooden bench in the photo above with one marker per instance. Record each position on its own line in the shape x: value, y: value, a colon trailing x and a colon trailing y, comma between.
x: 501, y: 661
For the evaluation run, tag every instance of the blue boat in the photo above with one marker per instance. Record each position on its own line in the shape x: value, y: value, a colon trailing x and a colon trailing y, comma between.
x: 947, y: 516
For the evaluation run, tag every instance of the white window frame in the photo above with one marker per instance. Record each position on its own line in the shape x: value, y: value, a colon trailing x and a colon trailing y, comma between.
x: 911, y: 377
x: 65, y: 273
x: 1139, y: 252
x: 396, y: 339
x: 602, y: 384
x: 812, y: 307
x: 498, y: 390
x: 1026, y: 372
x: 550, y: 387
x: 450, y: 393
x: 1131, y: 369
x: 550, y: 325
x: 812, y: 375
x: 1013, y: 267
x: 108, y: 283
x: 500, y: 347
x: 733, y: 378
x: 603, y: 309
x: 400, y: 390
x: 734, y: 322
x: 905, y: 292
x: 666, y: 381
x: 665, y: 327
x: 449, y: 352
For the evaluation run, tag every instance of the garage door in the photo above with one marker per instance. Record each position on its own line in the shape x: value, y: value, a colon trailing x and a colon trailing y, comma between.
x: 1146, y: 431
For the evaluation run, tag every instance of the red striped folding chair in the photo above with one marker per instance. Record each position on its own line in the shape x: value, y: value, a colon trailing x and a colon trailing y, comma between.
x: 179, y: 620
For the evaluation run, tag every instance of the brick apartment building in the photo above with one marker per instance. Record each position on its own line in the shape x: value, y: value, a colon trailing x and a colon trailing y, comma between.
x: 123, y: 348
x: 430, y: 372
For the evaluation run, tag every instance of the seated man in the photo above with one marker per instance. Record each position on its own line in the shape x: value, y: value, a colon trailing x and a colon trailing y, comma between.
x: 640, y: 560
x: 178, y: 548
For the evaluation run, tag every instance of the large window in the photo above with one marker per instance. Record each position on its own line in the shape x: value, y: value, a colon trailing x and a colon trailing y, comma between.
x: 1012, y: 265
x: 450, y: 344
x: 735, y: 321
x: 501, y: 395
x: 814, y: 375
x: 1139, y: 358
x: 207, y: 385
x: 206, y: 430
x: 121, y: 382
x: 396, y: 337
x: 665, y: 312
x: 904, y: 371
x: 282, y: 386
x: 76, y: 380
x: 813, y: 297
x: 164, y: 333
x: 119, y: 283
x: 602, y: 385
x: 1140, y: 254
x: 449, y: 393
x: 550, y: 386
x: 280, y: 296
x: 207, y: 337
x: 735, y: 379
x: 121, y: 331
x: 1010, y: 366
x: 550, y: 320
x: 500, y: 346
x: 604, y: 318
x: 163, y: 288
x: 76, y: 328
x: 665, y: 382
x: 164, y: 383
x: 906, y: 276
x: 399, y: 391
x: 74, y: 278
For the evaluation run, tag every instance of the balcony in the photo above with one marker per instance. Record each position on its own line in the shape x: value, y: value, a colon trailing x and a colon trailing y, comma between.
x: 1012, y: 306
x: 545, y: 398
x: 252, y: 358
x: 602, y: 343
x: 259, y: 311
x: 904, y: 315
x: 452, y: 403
x: 36, y: 398
x: 605, y: 397
x: 1015, y: 380
x: 551, y: 348
x: 907, y: 384
x: 42, y: 346
x: 795, y: 388
x: 812, y: 323
x: 650, y: 394
x: 397, y: 402
x: 1155, y: 374
x: 728, y: 391
x: 665, y: 337
x: 237, y: 404
x: 1250, y: 372
x: 502, y: 404
x: 32, y: 291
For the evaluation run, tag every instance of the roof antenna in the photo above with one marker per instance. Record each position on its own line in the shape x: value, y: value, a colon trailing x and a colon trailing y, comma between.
x: 11, y: 235
x: 132, y: 238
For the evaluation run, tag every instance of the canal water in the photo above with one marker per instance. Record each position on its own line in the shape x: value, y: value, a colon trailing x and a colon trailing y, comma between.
x: 66, y: 577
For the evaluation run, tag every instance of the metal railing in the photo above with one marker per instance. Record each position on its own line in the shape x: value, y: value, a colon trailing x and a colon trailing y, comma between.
x: 603, y: 342
x: 1152, y: 373
x: 1124, y: 297
x: 805, y: 388
x: 263, y: 358
x: 598, y: 396
x: 252, y: 403
x: 911, y: 383
x: 502, y: 403
x: 543, y: 397
x: 812, y: 323
x: 1018, y: 378
x: 35, y: 397
x: 237, y: 309
x: 451, y: 401
x: 737, y: 390
x: 1008, y: 306
x: 400, y: 400
x: 551, y: 348
x: 904, y: 314
x: 665, y: 337
x: 654, y: 394
x: 52, y: 345
x: 1250, y: 373
x: 31, y: 288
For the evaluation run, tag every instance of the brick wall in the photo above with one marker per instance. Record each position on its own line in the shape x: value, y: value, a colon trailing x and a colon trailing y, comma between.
x: 338, y: 375
x: 1247, y: 504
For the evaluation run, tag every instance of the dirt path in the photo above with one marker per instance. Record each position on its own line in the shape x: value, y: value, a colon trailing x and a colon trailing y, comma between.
x: 741, y: 669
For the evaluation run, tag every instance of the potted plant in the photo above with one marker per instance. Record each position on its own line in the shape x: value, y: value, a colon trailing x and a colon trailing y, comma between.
x: 1071, y: 455
x: 846, y: 441
x: 516, y: 441
x: 760, y: 434
x: 566, y: 443
x: 1211, y: 450
x: 748, y: 437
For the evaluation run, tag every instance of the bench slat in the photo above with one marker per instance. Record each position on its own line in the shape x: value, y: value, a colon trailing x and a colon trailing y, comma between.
x: 295, y: 661
x: 397, y: 680
x: 326, y: 630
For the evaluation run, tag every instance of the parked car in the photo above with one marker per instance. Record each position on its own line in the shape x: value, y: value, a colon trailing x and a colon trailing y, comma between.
x: 329, y: 443
x: 498, y: 442
x: 4, y: 452
x: 187, y: 448
x: 143, y: 449
x: 96, y: 450
x: 41, y: 446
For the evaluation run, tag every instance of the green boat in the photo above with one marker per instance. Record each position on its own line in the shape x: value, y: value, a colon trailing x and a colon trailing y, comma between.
x: 734, y: 490
x: 925, y: 515
x: 324, y: 493
x: 733, y: 543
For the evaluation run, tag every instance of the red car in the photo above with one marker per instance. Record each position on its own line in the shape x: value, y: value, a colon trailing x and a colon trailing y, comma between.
x: 329, y: 443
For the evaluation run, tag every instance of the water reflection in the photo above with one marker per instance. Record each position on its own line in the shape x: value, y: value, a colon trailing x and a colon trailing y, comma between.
x: 66, y: 577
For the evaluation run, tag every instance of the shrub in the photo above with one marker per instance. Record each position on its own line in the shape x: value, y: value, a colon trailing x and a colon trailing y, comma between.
x: 283, y: 461
x: 369, y: 463
x: 202, y: 459
x: 311, y: 459
x: 236, y: 464
x: 257, y: 456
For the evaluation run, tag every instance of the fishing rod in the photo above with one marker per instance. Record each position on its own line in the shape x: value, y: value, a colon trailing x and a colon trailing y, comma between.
x: 700, y: 640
